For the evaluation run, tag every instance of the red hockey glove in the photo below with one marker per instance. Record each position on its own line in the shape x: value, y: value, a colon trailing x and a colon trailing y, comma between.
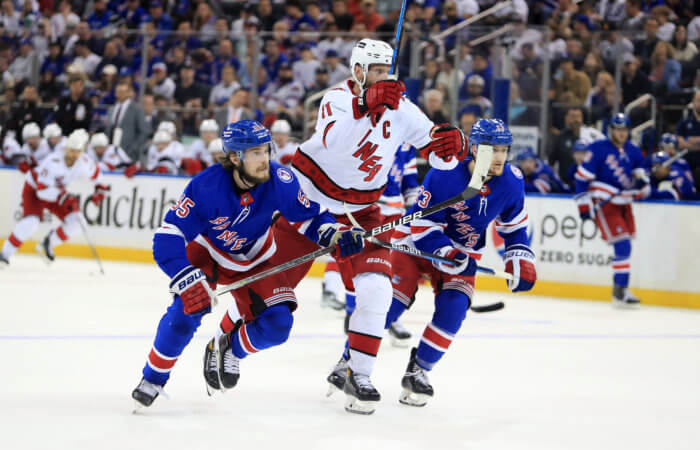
x: 374, y: 101
x: 348, y: 240
x: 24, y: 166
x: 447, y: 141
x: 132, y: 170
x: 465, y: 266
x: 520, y: 262
x: 68, y: 202
x: 194, y: 291
x: 286, y: 159
x: 192, y: 166
x: 162, y: 169
x: 99, y: 194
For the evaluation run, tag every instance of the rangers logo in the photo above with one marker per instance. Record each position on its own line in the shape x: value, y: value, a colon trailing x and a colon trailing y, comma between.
x: 516, y: 172
x: 284, y: 175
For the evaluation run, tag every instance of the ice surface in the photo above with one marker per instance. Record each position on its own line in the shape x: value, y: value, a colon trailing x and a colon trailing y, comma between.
x: 540, y: 374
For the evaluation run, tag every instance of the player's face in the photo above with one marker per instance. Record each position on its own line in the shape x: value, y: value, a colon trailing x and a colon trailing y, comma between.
x: 528, y: 166
x: 670, y: 149
x: 578, y: 157
x: 100, y: 150
x: 256, y: 165
x: 34, y: 142
x: 162, y: 146
x: 619, y: 136
x: 500, y: 154
x: 71, y: 155
x: 376, y: 72
x: 280, y: 139
x: 53, y: 141
x: 208, y: 136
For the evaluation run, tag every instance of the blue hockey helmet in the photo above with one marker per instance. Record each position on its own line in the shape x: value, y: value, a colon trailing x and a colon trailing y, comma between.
x: 669, y: 140
x: 244, y: 134
x: 579, y: 146
x: 525, y: 154
x: 659, y: 158
x: 620, y: 120
x: 490, y: 131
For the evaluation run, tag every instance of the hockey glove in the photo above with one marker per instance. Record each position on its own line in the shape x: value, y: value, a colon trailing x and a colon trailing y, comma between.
x: 347, y: 240
x: 374, y: 101
x: 132, y: 170
x: 99, y: 194
x: 465, y: 266
x: 68, y: 202
x: 520, y: 262
x: 586, y: 209
x: 194, y: 291
x: 192, y: 166
x: 26, y: 165
x: 447, y: 142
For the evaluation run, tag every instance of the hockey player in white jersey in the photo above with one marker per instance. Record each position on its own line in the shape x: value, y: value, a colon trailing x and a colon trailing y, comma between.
x: 45, y: 189
x: 108, y: 157
x: 32, y: 152
x: 197, y: 156
x: 285, y: 147
x: 359, y: 128
x: 53, y: 137
x: 165, y: 154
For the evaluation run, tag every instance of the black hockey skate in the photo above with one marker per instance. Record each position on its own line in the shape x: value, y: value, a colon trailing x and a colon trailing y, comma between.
x: 3, y: 262
x: 400, y: 336
x: 226, y: 362
x: 623, y: 298
x: 361, y: 394
x: 145, y: 393
x: 330, y: 300
x: 336, y: 379
x: 211, y: 371
x: 416, y: 387
x: 43, y: 248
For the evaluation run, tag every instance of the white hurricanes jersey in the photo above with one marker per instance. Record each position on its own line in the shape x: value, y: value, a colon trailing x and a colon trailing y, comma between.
x: 284, y: 155
x: 52, y: 176
x: 198, y: 150
x: 348, y: 160
x: 59, y: 146
x: 11, y: 149
x: 39, y: 154
x: 113, y: 158
x: 170, y: 157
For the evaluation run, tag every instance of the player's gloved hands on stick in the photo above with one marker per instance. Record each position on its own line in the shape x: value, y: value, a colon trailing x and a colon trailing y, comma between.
x: 586, y: 209
x: 68, y: 201
x: 99, y: 195
x: 194, y: 291
x: 447, y: 142
x: 520, y: 262
x: 24, y: 166
x: 465, y: 264
x: 377, y: 98
x: 348, y: 240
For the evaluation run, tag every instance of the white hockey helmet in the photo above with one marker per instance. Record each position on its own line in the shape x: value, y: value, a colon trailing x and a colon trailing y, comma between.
x: 168, y: 127
x: 208, y: 125
x: 52, y: 130
x: 99, y: 140
x: 162, y: 137
x: 216, y: 146
x: 367, y: 52
x: 280, y: 126
x: 30, y: 130
x: 77, y: 140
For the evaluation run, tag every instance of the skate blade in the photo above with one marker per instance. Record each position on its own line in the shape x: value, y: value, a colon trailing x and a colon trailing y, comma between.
x: 400, y: 343
x: 219, y: 363
x: 356, y: 406
x: 619, y: 304
x: 42, y: 255
x: 138, y: 407
x: 211, y: 391
x: 411, y: 398
x: 332, y: 389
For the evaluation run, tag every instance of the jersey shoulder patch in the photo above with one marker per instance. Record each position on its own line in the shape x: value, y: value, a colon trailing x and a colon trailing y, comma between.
x: 284, y: 175
x: 516, y: 171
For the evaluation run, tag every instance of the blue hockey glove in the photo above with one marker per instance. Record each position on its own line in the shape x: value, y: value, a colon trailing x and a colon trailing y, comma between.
x: 347, y: 240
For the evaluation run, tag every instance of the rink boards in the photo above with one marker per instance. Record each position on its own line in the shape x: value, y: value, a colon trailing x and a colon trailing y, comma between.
x: 573, y: 261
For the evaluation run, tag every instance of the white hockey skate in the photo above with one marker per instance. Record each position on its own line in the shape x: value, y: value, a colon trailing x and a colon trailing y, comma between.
x: 400, y: 336
x: 624, y: 299
x: 361, y: 396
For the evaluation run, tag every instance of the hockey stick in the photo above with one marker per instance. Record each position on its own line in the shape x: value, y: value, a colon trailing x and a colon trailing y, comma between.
x: 399, y: 34
x: 674, y: 158
x: 479, y: 175
x: 421, y: 254
x: 90, y: 244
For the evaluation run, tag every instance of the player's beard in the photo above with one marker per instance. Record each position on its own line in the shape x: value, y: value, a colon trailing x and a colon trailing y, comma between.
x: 260, y: 176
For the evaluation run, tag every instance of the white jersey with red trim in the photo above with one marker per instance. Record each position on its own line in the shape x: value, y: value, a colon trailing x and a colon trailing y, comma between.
x: 284, y: 155
x: 60, y: 145
x: 113, y: 158
x: 52, y: 176
x: 39, y: 154
x: 198, y: 150
x: 169, y: 158
x: 348, y: 160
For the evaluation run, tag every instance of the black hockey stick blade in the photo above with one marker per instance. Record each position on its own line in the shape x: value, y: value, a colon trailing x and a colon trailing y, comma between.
x: 488, y: 308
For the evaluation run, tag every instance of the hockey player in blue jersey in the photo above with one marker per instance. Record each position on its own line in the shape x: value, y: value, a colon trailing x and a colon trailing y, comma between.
x: 459, y: 232
x: 670, y: 182
x: 400, y: 195
x: 222, y: 230
x: 539, y: 177
x: 579, y: 151
x: 611, y: 176
x: 669, y: 144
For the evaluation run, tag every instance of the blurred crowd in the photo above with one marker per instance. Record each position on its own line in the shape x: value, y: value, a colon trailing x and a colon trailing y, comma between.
x: 123, y: 68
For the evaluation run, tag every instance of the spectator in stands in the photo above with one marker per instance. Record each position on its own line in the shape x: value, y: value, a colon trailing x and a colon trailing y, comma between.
x: 432, y: 106
x: 337, y: 72
x: 26, y: 112
x: 127, y: 115
x: 49, y: 87
x: 683, y: 49
x: 662, y: 15
x: 482, y: 67
x: 225, y: 56
x: 161, y: 19
x: 266, y: 14
x: 573, y: 86
x: 688, y: 132
x: 148, y: 103
x: 592, y: 65
x: 467, y: 119
x: 634, y: 82
x: 159, y: 83
x: 175, y: 60
x: 475, y: 95
x: 644, y: 48
x: 296, y: 16
x: 223, y: 91
x: 21, y: 67
x: 85, y: 58
x: 10, y: 18
x: 665, y: 74
x: 55, y: 62
x: 560, y: 151
x: 597, y: 101
x: 133, y: 14
x: 429, y: 75
x: 74, y: 110
x: 634, y: 16
x: 445, y: 79
x: 305, y: 69
x: 272, y: 59
x: 188, y: 89
x: 100, y: 17
x: 284, y: 95
x: 368, y: 15
x: 237, y: 109
x: 111, y: 55
x: 205, y: 23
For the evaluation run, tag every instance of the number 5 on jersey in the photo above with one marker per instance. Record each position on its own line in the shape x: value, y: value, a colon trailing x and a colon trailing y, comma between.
x: 182, y: 207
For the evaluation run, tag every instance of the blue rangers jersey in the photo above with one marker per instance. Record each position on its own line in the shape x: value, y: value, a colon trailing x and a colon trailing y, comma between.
x: 464, y: 225
x: 544, y: 180
x: 402, y: 187
x: 234, y: 225
x: 609, y: 174
x: 679, y: 185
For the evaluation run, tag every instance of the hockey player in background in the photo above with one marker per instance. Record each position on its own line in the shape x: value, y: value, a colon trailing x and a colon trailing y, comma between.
x: 221, y: 230
x: 32, y: 152
x: 359, y: 129
x: 459, y: 232
x: 539, y: 177
x: 285, y: 147
x: 45, y: 188
x: 53, y: 137
x: 610, y: 177
x: 164, y: 155
x: 670, y: 182
x: 197, y: 156
x: 108, y: 157
x: 579, y: 150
